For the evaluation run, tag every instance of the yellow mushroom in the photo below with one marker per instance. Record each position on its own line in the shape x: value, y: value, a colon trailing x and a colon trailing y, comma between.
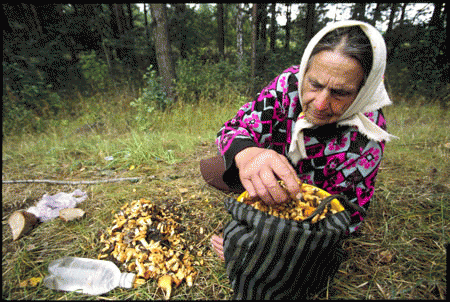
x: 106, y: 247
x: 132, y: 223
x: 315, y: 219
x: 176, y: 281
x: 121, y: 257
x: 129, y: 252
x: 138, y: 282
x: 102, y: 256
x: 132, y: 266
x: 118, y: 248
x: 119, y: 224
x: 140, y: 269
x: 145, y: 243
x: 118, y: 237
x: 180, y: 274
x: 189, y: 280
x: 175, y: 266
x: 142, y: 257
x: 165, y: 283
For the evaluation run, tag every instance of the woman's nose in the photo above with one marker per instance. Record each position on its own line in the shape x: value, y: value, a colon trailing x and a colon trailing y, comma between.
x: 322, y: 100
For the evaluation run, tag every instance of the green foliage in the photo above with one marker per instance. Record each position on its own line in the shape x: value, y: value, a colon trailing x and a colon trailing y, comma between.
x: 27, y: 100
x: 216, y: 82
x: 418, y: 65
x: 152, y: 98
x: 15, y: 116
x: 94, y: 70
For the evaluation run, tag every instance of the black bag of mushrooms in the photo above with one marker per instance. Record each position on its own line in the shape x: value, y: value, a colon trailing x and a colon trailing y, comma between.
x: 285, y: 253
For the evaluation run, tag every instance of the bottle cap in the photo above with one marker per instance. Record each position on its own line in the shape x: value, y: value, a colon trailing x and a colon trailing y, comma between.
x: 127, y: 280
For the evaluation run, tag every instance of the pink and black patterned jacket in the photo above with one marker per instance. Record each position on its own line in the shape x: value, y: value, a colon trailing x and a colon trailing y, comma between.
x: 340, y: 159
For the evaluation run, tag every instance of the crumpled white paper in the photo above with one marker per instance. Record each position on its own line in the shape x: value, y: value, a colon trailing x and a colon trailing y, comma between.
x: 49, y: 206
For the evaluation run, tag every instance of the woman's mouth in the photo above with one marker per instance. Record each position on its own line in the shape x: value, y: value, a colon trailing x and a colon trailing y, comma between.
x: 320, y: 116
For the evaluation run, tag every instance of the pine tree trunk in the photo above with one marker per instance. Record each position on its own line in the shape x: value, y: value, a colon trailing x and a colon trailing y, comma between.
x: 273, y: 22
x: 288, y: 26
x: 162, y: 46
x: 254, y: 37
x: 239, y: 37
x: 220, y: 29
x: 310, y: 20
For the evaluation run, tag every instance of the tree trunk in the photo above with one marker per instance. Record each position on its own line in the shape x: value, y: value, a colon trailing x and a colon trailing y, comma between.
x: 376, y: 15
x: 288, y: 26
x: 130, y: 17
x: 273, y: 30
x: 359, y: 11
x: 36, y: 19
x: 262, y: 24
x: 220, y: 30
x: 162, y: 44
x: 117, y: 12
x: 239, y: 37
x: 254, y: 37
x: 436, y: 17
x: 98, y: 11
x: 402, y: 16
x: 146, y: 23
x: 310, y: 21
x: 391, y: 18
x: 32, y: 23
x: 390, y: 40
x: 180, y: 13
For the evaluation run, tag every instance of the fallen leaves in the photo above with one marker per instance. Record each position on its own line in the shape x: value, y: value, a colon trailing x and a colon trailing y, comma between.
x: 182, y: 190
x: 385, y: 257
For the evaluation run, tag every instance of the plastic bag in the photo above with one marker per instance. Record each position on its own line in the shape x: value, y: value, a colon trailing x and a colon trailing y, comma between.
x: 49, y: 206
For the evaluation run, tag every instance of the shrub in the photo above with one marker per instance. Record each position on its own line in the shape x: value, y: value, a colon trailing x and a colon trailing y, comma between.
x: 94, y: 70
x: 153, y: 98
x: 198, y: 79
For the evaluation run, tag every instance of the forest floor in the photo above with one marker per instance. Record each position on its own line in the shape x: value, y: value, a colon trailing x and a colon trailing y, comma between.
x: 400, y: 251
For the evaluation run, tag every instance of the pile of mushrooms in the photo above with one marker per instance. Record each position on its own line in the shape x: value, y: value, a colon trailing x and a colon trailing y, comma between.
x: 147, y: 239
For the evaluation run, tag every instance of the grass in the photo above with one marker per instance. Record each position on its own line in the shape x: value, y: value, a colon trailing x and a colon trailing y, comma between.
x: 399, y: 253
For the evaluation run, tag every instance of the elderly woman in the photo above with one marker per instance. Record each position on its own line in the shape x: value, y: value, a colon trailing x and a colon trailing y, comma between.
x: 320, y: 123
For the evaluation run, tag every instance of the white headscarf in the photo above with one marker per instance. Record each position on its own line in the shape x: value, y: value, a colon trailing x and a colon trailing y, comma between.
x: 372, y: 96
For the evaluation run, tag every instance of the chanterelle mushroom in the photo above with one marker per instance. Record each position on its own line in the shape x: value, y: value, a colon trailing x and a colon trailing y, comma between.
x: 165, y: 283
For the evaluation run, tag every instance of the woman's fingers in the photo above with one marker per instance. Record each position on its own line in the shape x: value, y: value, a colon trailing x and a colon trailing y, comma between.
x: 248, y: 185
x: 273, y: 192
x: 287, y: 174
x: 259, y: 171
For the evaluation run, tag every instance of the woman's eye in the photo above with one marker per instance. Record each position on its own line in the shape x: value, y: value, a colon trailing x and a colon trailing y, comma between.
x: 316, y: 85
x: 341, y: 93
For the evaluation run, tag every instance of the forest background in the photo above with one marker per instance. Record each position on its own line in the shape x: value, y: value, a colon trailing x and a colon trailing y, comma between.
x: 164, y: 53
x: 93, y: 92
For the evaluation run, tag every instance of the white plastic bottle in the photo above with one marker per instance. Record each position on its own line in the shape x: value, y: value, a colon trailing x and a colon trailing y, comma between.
x: 88, y: 276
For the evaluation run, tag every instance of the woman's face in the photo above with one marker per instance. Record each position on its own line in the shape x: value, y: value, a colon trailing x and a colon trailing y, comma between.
x: 330, y: 86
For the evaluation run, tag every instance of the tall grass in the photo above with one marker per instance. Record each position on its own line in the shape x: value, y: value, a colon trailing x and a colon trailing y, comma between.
x: 170, y: 134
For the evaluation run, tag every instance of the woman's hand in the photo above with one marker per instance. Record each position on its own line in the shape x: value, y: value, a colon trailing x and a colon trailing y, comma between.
x: 258, y: 172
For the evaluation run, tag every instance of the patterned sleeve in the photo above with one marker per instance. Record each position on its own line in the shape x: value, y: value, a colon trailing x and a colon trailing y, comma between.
x: 256, y: 122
